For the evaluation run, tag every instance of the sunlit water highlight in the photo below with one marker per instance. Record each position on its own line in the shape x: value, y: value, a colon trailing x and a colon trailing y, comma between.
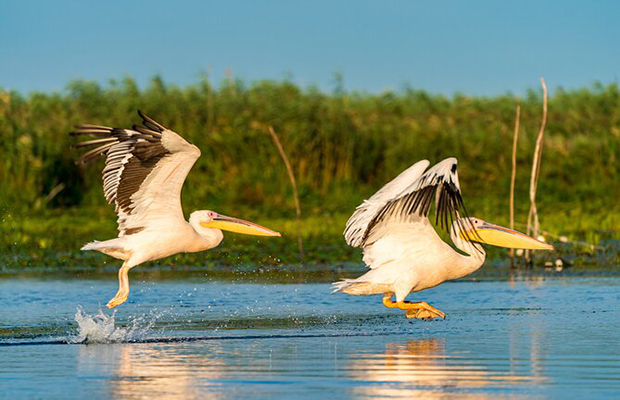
x: 532, y: 338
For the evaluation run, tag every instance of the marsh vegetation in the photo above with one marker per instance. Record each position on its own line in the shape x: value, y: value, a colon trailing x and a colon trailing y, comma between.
x: 342, y: 147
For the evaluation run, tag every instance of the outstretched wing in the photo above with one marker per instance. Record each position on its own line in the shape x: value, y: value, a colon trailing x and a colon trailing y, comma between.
x: 357, y: 225
x: 144, y: 171
x: 441, y: 183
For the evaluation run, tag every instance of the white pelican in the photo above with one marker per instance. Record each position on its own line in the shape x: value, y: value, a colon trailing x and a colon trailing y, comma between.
x: 401, y: 247
x: 144, y: 171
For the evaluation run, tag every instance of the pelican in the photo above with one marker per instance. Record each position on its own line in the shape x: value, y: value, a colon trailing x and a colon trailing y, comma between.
x: 145, y: 168
x: 401, y: 247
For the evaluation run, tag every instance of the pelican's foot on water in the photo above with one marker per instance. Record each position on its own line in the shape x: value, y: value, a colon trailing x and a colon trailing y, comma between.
x: 119, y: 299
x: 421, y: 310
x: 425, y: 311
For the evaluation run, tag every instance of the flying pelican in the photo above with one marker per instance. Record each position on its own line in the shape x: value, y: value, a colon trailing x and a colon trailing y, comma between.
x: 145, y: 168
x: 401, y: 247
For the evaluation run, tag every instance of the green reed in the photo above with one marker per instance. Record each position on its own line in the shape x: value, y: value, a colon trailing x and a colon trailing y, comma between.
x: 342, y: 145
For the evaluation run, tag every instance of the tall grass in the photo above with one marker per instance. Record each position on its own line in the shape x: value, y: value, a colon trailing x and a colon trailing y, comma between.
x: 342, y: 145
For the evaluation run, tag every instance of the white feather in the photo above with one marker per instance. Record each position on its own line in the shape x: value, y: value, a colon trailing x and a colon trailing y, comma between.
x: 401, y: 247
x: 364, y: 213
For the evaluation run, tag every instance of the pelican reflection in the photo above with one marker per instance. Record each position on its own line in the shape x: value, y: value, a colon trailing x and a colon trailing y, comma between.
x: 168, y: 371
x: 424, y: 369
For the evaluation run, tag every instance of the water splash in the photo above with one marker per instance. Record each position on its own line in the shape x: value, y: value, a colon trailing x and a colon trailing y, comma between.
x: 101, y: 328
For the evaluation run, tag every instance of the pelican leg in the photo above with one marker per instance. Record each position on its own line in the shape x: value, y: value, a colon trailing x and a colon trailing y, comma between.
x: 421, y: 310
x: 387, y: 301
x: 123, y: 288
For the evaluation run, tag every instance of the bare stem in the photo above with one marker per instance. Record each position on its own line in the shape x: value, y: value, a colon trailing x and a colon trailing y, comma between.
x: 532, y: 217
x: 291, y: 176
x: 513, y: 178
x: 210, y: 116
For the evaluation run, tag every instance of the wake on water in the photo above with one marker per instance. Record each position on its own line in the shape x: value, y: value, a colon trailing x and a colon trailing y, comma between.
x: 101, y: 328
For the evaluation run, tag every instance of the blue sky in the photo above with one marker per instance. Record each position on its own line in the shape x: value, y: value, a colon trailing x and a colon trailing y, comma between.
x: 481, y: 47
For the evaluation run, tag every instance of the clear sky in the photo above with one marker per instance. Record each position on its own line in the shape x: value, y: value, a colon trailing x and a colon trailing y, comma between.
x: 474, y: 47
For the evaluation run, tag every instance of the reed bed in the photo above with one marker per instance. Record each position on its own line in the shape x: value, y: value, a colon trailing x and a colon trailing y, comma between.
x: 342, y: 146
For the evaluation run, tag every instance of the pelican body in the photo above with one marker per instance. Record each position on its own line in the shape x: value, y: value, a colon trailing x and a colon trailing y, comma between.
x: 144, y: 172
x: 401, y: 247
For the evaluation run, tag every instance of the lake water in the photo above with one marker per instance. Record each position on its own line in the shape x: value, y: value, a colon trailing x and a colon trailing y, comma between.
x: 536, y: 337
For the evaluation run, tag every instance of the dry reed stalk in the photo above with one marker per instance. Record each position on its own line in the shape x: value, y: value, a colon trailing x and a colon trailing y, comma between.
x: 291, y: 176
x: 230, y: 80
x: 50, y: 196
x: 532, y: 216
x: 210, y: 114
x: 512, y: 180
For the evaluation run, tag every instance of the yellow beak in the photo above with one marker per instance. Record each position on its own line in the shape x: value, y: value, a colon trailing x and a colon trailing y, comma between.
x: 503, y: 237
x: 238, y: 226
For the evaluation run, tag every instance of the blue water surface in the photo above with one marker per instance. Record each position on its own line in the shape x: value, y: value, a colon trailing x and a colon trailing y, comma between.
x: 537, y: 337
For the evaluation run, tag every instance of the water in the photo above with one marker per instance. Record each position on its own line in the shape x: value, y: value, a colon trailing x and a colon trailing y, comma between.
x: 537, y: 337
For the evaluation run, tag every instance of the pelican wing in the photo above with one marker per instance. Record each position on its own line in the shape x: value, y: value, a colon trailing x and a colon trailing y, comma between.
x: 357, y: 225
x: 144, y: 171
x: 441, y: 183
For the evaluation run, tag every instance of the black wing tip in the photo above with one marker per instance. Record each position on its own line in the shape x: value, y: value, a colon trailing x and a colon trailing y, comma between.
x: 80, y: 130
x: 92, y: 126
x: 150, y: 122
x: 93, y: 130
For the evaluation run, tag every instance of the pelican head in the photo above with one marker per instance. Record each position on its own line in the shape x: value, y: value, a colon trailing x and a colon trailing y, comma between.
x: 213, y: 220
x: 481, y: 231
